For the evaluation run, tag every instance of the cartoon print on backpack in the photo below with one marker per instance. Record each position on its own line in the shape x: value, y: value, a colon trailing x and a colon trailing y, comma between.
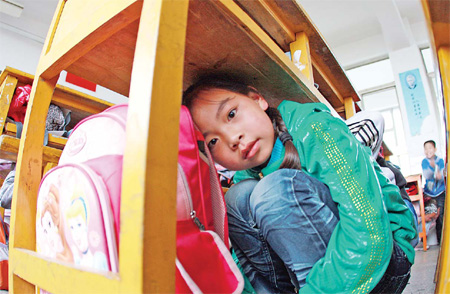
x: 54, y: 240
x: 70, y: 223
x: 78, y: 219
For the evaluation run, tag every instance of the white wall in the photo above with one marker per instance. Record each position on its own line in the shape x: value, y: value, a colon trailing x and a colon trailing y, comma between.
x: 431, y: 129
x: 18, y: 51
x: 373, y: 48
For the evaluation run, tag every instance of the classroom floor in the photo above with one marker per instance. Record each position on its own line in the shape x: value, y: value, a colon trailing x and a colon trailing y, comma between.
x: 422, y: 272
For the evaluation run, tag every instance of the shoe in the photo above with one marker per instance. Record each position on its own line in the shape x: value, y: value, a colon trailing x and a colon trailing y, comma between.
x: 420, y: 246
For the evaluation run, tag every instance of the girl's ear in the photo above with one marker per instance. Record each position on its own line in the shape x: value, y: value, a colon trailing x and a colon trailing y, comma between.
x: 259, y: 99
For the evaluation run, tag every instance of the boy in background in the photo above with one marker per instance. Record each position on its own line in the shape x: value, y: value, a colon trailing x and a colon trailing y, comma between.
x: 433, y: 173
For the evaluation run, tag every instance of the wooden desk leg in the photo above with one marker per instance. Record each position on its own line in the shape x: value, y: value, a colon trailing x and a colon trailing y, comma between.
x: 301, y: 44
x: 6, y: 94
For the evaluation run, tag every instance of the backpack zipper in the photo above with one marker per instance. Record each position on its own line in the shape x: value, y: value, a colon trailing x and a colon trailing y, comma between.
x: 192, y: 213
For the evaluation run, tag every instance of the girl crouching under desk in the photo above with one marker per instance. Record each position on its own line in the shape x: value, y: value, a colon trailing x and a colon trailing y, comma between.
x: 310, y: 210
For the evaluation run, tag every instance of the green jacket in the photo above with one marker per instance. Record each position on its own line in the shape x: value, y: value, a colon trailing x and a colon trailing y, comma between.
x: 371, y: 209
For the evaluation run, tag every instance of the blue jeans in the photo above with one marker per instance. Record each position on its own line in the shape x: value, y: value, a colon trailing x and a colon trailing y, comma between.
x: 397, y: 274
x: 280, y: 227
x: 440, y: 200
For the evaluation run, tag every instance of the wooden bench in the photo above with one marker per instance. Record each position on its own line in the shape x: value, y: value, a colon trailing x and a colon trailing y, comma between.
x: 150, y: 51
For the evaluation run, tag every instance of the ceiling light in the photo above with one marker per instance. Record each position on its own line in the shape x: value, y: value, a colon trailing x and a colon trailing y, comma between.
x: 11, y: 8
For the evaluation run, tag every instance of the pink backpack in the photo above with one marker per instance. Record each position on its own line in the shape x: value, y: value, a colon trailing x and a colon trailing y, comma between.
x: 204, y: 263
x: 79, y: 205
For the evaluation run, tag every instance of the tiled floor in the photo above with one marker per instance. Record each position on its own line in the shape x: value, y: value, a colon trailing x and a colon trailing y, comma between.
x: 422, y: 272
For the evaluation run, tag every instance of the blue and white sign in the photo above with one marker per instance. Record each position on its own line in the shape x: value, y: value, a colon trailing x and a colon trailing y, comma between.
x: 415, y: 99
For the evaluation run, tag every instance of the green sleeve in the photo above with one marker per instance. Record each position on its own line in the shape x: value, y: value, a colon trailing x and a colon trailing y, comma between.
x: 361, y: 245
x: 400, y: 217
x: 243, y: 175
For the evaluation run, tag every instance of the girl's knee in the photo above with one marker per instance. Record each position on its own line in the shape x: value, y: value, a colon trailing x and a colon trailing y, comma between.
x: 237, y: 196
x: 288, y: 188
x: 274, y: 190
x: 287, y: 180
x: 281, y: 175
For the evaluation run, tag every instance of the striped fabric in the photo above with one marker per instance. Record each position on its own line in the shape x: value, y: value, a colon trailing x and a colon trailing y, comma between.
x: 368, y: 128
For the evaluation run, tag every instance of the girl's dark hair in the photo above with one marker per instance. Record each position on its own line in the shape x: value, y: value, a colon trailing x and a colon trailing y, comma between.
x: 291, y: 157
x: 236, y: 85
x: 209, y: 82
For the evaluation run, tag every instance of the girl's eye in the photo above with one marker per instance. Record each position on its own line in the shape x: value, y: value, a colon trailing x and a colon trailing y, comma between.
x: 212, y: 143
x: 232, y: 114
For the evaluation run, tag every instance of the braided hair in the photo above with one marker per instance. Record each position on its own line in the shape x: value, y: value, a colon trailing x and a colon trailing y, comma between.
x: 291, y: 157
x: 234, y: 84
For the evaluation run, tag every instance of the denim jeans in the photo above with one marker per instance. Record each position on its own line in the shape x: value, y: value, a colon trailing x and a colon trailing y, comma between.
x: 280, y: 226
x: 397, y: 274
x: 440, y: 200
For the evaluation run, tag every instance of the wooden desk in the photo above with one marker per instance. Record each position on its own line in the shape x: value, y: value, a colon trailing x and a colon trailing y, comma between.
x: 150, y: 51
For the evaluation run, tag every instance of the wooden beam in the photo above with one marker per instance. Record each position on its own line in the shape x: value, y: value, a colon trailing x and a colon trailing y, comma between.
x: 28, y: 174
x: 9, y: 148
x: 47, y: 274
x: 443, y: 283
x: 76, y: 41
x: 349, y: 107
x: 53, y: 141
x: 301, y: 46
x: 7, y: 89
x: 149, y: 188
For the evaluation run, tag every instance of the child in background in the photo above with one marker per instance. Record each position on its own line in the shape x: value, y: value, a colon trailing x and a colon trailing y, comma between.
x: 433, y: 173
x: 307, y: 210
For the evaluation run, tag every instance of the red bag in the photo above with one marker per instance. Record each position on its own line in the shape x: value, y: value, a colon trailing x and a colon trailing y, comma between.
x: 19, y: 103
x: 204, y: 263
x: 4, y: 253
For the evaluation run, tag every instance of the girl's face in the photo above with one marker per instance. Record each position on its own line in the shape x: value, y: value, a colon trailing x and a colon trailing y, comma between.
x: 238, y: 132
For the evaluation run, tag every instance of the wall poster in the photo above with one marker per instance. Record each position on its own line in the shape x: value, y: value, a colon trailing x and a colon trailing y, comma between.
x: 415, y: 99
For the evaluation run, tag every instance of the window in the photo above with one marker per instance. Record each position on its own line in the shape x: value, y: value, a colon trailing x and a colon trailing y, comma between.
x: 371, y: 75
